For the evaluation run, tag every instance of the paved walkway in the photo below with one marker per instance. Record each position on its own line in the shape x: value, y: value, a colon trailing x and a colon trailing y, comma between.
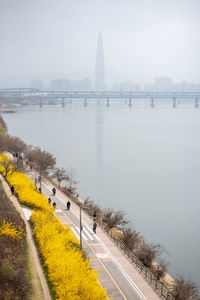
x: 116, y: 272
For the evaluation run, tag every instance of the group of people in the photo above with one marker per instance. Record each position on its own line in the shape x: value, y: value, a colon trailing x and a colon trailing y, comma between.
x: 68, y: 204
x: 54, y: 193
x: 22, y: 161
x: 54, y: 203
x: 95, y: 223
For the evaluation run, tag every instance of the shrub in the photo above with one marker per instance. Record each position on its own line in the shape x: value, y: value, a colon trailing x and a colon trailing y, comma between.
x: 114, y: 219
x: 147, y: 253
x: 92, y: 206
x: 184, y: 289
x: 11, y: 230
x: 159, y: 269
x: 68, y: 272
x: 130, y: 238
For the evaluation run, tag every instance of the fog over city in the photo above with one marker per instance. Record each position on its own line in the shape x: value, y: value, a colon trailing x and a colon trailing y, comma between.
x: 142, y: 40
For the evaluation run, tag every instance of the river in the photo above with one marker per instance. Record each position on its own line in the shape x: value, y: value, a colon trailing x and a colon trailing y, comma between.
x: 143, y: 161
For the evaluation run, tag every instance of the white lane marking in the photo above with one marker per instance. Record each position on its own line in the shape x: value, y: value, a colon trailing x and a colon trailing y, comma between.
x: 83, y: 235
x: 123, y: 271
x: 88, y: 228
x: 58, y: 210
x: 117, y: 263
x: 27, y: 212
x: 87, y: 233
x: 119, y: 266
x: 102, y: 255
x: 76, y: 234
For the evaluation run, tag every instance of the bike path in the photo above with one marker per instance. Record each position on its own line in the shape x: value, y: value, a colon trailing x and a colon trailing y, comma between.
x: 116, y: 273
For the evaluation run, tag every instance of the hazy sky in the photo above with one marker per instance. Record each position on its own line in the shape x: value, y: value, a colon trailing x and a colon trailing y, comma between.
x: 142, y: 39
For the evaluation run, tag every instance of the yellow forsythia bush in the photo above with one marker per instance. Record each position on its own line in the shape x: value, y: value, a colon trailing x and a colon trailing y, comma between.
x: 26, y: 192
x: 11, y: 230
x: 68, y: 272
x: 25, y: 188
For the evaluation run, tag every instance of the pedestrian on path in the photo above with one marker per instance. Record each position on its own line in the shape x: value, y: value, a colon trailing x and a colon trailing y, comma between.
x: 94, y: 227
x: 94, y: 216
x: 68, y: 205
x: 49, y: 200
x: 12, y: 189
x: 54, y: 191
x: 54, y: 205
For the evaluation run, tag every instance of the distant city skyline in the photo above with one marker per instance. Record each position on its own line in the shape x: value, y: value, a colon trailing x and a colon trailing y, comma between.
x: 57, y: 39
x: 159, y: 84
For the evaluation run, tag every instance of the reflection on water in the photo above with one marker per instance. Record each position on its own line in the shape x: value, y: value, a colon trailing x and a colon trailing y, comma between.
x: 142, y: 160
x: 99, y: 136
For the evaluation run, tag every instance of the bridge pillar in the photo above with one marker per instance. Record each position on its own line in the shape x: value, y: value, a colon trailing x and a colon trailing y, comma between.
x: 196, y: 102
x: 130, y: 102
x: 152, y: 102
x: 107, y: 102
x: 85, y: 102
x: 40, y: 103
x: 63, y: 102
x: 174, y: 102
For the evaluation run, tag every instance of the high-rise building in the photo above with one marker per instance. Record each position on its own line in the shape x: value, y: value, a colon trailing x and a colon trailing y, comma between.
x: 37, y: 84
x: 99, y: 67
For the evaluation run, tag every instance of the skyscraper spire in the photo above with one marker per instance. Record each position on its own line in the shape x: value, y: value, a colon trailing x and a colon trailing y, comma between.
x: 99, y: 68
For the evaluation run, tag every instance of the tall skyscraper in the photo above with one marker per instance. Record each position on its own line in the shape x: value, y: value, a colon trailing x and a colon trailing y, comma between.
x: 99, y: 68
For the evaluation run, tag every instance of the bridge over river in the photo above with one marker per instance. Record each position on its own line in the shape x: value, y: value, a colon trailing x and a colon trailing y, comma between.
x: 62, y: 96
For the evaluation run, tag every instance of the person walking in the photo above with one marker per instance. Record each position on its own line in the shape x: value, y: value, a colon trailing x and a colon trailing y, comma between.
x: 49, y: 200
x: 12, y: 189
x: 54, y: 191
x: 54, y: 205
x: 94, y: 216
x: 68, y: 205
x: 94, y: 227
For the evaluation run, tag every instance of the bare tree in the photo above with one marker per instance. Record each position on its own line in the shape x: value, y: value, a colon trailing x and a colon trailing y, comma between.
x: 3, y: 124
x: 130, y: 238
x: 44, y: 162
x: 15, y: 144
x: 185, y: 289
x: 3, y: 146
x: 72, y: 182
x: 2, y: 131
x: 92, y: 206
x: 28, y: 153
x: 147, y: 253
x: 60, y: 174
x: 3, y: 127
x: 10, y: 167
x: 114, y: 219
x: 159, y: 269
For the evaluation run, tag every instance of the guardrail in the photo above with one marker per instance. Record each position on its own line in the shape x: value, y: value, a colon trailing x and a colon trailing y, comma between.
x: 156, y: 284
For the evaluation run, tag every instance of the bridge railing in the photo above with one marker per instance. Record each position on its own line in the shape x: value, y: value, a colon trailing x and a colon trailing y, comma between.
x: 156, y: 284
